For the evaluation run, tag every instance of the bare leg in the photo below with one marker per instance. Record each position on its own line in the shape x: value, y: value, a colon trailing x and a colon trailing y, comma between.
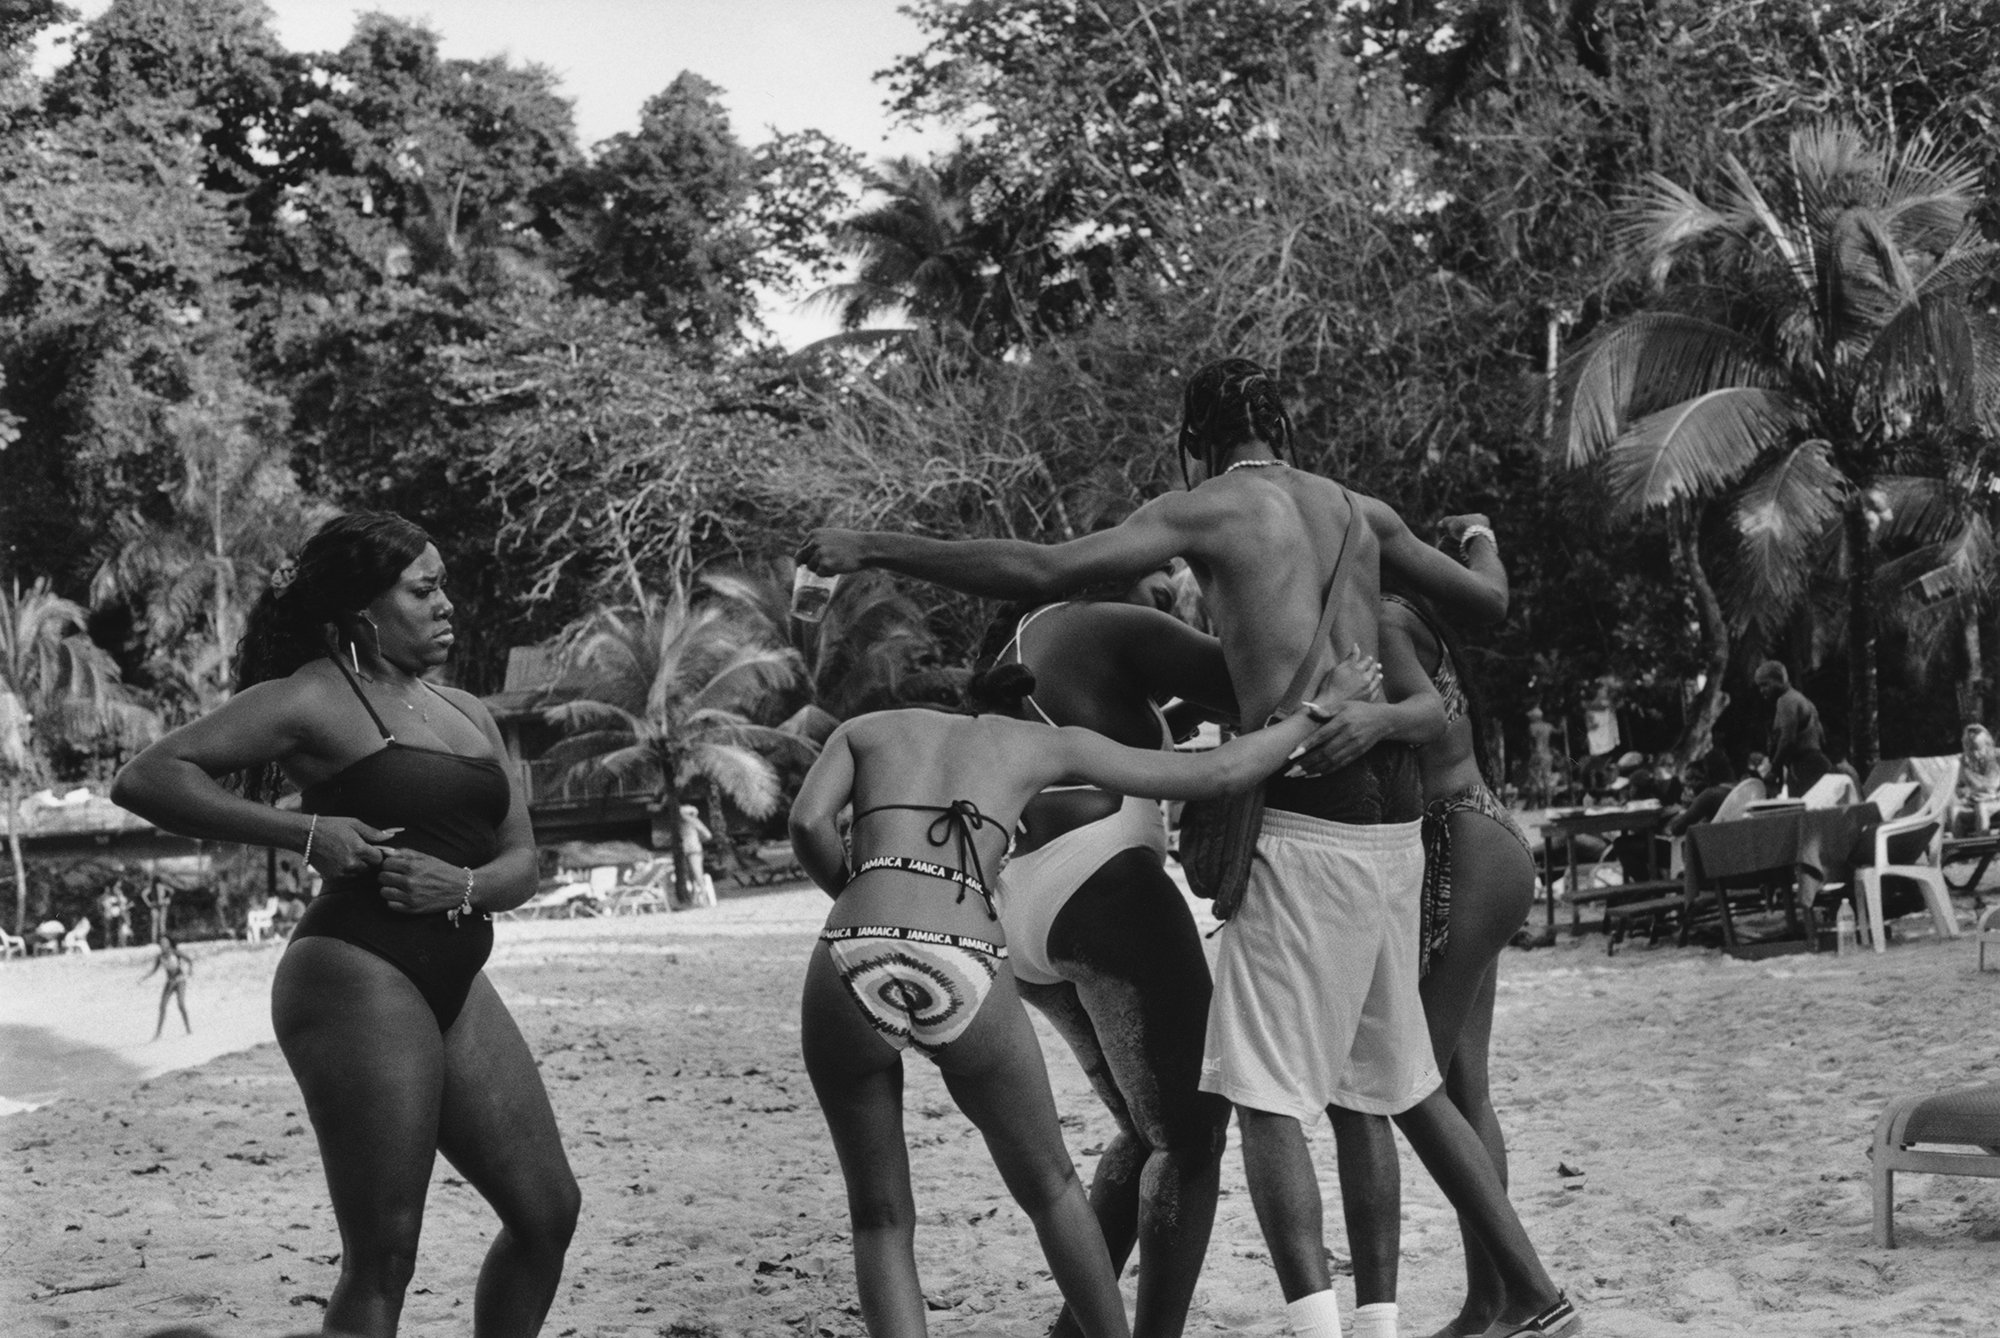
x: 1494, y: 890
x: 1371, y: 1199
x: 1464, y: 1170
x: 1135, y: 1015
x: 371, y: 1068
x: 181, y: 998
x: 996, y: 1074
x: 1285, y: 1193
x: 497, y: 1128
x: 166, y: 992
x: 858, y: 1078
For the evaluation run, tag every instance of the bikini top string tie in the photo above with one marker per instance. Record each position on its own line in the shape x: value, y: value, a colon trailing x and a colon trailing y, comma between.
x: 960, y: 818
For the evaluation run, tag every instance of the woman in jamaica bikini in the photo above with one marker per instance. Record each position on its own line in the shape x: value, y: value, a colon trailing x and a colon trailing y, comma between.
x: 913, y: 956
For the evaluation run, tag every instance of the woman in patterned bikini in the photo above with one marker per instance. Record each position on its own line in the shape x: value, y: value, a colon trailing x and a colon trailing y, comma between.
x: 913, y: 956
x: 1479, y: 882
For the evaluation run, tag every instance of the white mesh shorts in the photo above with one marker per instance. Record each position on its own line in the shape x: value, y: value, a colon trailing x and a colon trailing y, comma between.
x: 1316, y: 998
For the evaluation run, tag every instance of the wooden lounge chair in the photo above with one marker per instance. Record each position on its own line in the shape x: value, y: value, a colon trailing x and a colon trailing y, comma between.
x: 1987, y: 931
x: 1968, y: 1118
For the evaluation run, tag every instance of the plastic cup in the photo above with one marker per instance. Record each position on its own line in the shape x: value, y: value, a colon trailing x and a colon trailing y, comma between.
x: 811, y: 593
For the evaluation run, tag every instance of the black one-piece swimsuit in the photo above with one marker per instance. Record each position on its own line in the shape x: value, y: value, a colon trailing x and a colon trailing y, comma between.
x: 450, y: 807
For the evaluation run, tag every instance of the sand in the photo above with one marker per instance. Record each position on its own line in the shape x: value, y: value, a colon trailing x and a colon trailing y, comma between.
x: 1719, y: 1111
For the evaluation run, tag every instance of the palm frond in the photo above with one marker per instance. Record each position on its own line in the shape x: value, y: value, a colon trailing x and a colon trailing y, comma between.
x: 1748, y: 207
x: 1697, y: 446
x: 1923, y: 511
x: 1926, y: 349
x: 1644, y: 362
x: 585, y: 713
x: 750, y: 782
x: 1654, y: 222
x: 747, y: 676
x: 1781, y: 513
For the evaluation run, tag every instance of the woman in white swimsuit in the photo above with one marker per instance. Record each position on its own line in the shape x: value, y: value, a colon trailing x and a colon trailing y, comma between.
x: 1101, y: 940
x: 914, y: 956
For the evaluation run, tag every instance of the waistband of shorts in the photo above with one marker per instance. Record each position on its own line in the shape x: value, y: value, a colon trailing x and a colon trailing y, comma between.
x: 1289, y: 826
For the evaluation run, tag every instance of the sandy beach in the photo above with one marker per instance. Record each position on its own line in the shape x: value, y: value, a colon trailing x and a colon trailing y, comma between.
x: 1719, y: 1112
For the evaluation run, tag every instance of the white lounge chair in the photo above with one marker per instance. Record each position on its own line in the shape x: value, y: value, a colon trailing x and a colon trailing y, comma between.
x: 12, y: 945
x: 1938, y: 775
x: 78, y: 937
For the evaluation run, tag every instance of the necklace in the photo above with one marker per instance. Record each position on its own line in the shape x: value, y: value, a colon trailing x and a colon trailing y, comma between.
x: 1254, y: 464
x: 422, y: 713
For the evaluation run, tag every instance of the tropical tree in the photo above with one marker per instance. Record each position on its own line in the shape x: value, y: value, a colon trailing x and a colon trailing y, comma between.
x: 236, y: 510
x: 1828, y: 332
x: 871, y: 652
x: 665, y: 689
x: 917, y: 249
x: 57, y: 688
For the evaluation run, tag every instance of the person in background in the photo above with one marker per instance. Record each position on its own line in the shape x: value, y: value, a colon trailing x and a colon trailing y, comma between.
x: 178, y: 966
x: 1977, y: 795
x: 1798, y: 741
x: 1708, y: 781
x: 701, y: 887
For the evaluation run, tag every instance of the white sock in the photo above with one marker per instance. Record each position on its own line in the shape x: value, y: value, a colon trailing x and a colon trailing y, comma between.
x: 1375, y: 1321
x: 1315, y: 1316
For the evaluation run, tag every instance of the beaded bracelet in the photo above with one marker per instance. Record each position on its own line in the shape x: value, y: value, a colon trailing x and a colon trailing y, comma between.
x: 312, y: 827
x: 464, y: 906
x: 1473, y: 532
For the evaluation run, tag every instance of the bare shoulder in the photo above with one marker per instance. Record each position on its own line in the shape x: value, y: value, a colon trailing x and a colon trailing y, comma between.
x: 1381, y: 517
x: 465, y: 702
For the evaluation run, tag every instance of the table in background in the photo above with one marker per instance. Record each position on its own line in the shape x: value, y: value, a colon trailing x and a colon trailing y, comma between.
x: 1610, y: 824
x: 1815, y: 846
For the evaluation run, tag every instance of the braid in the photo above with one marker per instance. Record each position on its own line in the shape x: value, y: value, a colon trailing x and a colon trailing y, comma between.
x: 1227, y: 402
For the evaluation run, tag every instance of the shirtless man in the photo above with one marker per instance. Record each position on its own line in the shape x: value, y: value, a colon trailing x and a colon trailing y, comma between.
x: 1264, y: 540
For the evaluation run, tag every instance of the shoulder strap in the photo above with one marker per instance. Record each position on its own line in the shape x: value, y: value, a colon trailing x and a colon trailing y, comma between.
x: 1296, y: 693
x: 366, y: 705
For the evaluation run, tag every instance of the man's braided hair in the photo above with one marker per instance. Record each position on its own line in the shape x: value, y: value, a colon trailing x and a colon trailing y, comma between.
x: 1225, y: 403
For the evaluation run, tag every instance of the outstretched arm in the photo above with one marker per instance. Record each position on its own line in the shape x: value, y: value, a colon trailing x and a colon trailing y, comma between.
x: 1475, y: 592
x: 828, y: 788
x: 1012, y: 568
x: 1087, y: 756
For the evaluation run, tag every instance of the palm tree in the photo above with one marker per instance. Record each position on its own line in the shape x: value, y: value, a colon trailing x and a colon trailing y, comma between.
x: 56, y: 686
x: 868, y: 653
x: 1832, y: 330
x: 664, y: 692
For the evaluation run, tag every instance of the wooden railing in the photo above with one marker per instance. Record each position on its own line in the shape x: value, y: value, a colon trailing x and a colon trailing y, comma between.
x: 560, y: 783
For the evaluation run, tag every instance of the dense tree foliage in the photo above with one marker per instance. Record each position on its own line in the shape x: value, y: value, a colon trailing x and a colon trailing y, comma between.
x: 244, y: 285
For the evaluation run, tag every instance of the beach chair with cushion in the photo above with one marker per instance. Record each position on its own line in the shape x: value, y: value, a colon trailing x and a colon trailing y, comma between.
x: 1909, y: 848
x: 1965, y: 1119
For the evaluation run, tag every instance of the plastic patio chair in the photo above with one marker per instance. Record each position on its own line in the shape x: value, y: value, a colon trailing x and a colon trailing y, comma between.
x: 1969, y: 1117
x: 1737, y: 803
x: 1938, y: 775
x: 12, y: 945
x: 78, y: 937
x: 1832, y: 790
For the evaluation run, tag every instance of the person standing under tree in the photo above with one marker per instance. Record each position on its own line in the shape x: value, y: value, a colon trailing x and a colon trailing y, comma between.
x: 178, y: 966
x: 701, y: 887
x: 1798, y: 741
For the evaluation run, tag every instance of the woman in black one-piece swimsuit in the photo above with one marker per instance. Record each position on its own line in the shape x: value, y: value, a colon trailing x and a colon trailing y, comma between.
x: 399, y: 1043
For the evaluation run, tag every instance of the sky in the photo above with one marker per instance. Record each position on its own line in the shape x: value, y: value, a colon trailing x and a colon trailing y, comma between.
x: 789, y: 64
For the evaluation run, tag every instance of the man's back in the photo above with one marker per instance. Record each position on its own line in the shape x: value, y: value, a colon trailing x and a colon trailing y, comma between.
x: 1265, y: 568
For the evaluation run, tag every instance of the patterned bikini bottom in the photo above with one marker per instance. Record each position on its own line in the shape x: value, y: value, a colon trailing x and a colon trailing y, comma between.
x: 917, y: 987
x: 1435, y: 932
